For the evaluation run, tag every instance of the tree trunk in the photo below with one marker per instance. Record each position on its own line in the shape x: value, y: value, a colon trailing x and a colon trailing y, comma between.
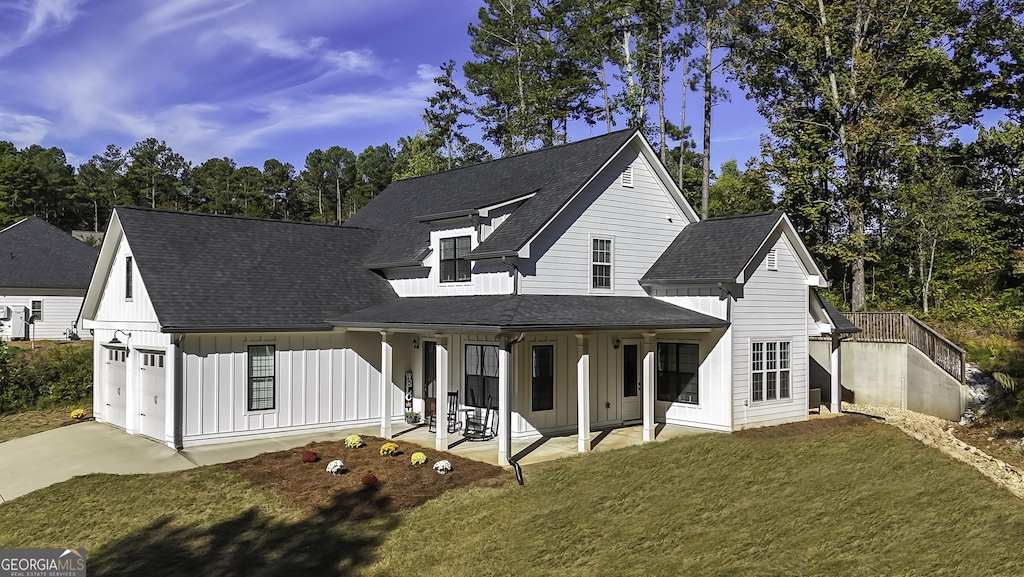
x: 705, y: 182
x: 661, y: 86
x: 682, y: 122
x: 337, y: 187
x: 607, y: 99
x: 859, y: 297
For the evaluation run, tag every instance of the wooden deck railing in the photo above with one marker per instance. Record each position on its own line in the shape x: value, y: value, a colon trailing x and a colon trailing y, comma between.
x: 906, y: 328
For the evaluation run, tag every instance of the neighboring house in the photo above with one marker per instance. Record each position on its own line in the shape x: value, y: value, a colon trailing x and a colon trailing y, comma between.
x: 570, y: 288
x: 43, y: 276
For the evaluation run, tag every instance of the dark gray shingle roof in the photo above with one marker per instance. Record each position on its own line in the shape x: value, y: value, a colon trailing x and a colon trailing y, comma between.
x: 205, y: 272
x: 555, y: 174
x: 713, y: 250
x: 843, y: 326
x: 36, y: 254
x: 528, y: 312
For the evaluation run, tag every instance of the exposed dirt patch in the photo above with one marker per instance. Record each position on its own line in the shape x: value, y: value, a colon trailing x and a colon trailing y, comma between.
x: 805, y: 427
x: 1001, y: 439
x: 400, y: 484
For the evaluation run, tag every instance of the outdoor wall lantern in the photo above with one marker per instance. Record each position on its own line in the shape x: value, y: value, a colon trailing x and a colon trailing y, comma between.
x: 617, y: 343
x: 415, y: 343
x: 115, y: 341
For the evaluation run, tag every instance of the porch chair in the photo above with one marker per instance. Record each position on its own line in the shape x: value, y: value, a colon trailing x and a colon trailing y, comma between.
x: 482, y: 426
x: 452, y: 417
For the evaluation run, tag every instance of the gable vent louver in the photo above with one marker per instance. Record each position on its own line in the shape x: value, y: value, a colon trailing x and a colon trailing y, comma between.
x: 772, y: 261
x: 627, y: 177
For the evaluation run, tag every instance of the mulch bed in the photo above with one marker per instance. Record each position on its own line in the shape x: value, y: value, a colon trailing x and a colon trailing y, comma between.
x: 400, y: 484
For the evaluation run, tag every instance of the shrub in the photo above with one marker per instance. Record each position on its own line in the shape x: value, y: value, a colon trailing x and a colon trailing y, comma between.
x: 63, y: 374
x: 78, y: 414
x: 443, y: 467
x: 310, y: 457
x: 388, y: 449
x: 369, y: 480
x: 418, y: 458
x: 335, y: 467
x: 353, y: 441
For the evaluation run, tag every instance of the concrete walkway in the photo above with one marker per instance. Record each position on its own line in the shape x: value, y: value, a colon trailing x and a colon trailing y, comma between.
x: 40, y: 460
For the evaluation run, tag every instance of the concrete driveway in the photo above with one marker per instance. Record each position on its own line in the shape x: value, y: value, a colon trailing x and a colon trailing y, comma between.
x: 40, y: 460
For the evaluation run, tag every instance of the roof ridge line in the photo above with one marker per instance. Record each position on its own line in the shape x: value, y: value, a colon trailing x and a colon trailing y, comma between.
x: 235, y: 217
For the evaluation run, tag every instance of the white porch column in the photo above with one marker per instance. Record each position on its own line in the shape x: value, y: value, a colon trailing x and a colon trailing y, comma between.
x: 504, y: 401
x: 441, y: 393
x: 386, y: 384
x: 648, y: 386
x: 583, y: 393
x: 836, y: 369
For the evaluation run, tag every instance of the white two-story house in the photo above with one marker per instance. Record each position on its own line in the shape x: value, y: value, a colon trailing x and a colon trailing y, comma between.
x: 571, y: 288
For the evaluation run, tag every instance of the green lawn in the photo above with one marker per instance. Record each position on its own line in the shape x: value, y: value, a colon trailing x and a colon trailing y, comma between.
x: 36, y: 421
x: 838, y: 497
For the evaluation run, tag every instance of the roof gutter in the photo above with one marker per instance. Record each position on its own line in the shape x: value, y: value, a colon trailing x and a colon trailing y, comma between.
x: 368, y: 326
x: 246, y: 329
x: 672, y: 281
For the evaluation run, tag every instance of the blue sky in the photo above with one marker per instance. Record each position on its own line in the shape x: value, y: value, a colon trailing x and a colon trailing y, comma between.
x: 250, y: 79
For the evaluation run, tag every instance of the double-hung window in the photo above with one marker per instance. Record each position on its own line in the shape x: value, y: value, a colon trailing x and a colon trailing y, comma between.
x: 37, y: 310
x: 481, y: 375
x: 455, y: 263
x: 261, y: 383
x: 601, y: 263
x: 678, y: 368
x: 543, y: 378
x: 769, y: 371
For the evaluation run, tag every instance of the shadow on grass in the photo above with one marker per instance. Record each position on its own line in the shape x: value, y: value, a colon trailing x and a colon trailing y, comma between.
x: 330, y: 542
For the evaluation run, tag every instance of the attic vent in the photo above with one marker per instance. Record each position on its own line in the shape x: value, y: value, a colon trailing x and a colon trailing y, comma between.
x: 772, y: 261
x: 627, y: 177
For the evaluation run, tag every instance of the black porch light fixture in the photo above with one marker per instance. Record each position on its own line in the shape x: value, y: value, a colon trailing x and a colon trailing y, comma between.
x: 617, y: 343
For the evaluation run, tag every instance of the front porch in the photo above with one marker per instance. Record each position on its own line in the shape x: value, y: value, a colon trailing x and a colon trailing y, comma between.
x: 539, y: 449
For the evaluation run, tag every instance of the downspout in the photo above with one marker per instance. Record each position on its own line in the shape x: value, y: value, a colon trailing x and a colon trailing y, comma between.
x: 515, y: 275
x: 511, y: 460
x: 178, y: 393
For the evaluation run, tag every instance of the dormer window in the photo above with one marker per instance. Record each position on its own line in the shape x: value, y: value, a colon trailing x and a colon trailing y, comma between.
x: 455, y: 264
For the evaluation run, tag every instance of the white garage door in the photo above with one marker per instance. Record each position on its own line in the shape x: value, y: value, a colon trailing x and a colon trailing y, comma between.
x: 152, y: 391
x: 114, y: 393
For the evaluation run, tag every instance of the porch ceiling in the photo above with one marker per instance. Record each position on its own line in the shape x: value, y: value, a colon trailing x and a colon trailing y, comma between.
x: 501, y: 313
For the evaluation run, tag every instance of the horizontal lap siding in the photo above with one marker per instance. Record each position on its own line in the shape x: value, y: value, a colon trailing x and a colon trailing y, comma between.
x: 774, y: 306
x: 637, y: 219
x: 60, y: 312
x: 321, y: 380
x: 488, y: 277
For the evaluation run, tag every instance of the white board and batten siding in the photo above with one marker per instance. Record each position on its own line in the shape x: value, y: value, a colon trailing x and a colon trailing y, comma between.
x: 322, y: 381
x: 714, y: 411
x: 60, y: 309
x: 488, y: 277
x: 774, y: 307
x: 641, y: 221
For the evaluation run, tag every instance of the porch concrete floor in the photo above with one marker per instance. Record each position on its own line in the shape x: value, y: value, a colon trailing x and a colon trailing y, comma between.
x: 531, y: 450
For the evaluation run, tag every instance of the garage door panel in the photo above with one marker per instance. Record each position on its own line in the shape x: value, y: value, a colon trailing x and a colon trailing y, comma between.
x: 152, y: 393
x: 114, y: 393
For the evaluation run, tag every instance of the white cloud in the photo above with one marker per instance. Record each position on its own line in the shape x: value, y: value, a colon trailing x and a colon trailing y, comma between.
x: 38, y: 17
x: 267, y: 40
x: 22, y: 129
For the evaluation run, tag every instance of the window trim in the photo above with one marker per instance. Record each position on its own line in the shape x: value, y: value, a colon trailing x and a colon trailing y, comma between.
x: 457, y: 260
x: 128, y: 274
x: 696, y: 372
x: 249, y: 378
x: 33, y: 309
x: 764, y: 371
x: 610, y: 264
x: 484, y: 378
x: 550, y: 384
